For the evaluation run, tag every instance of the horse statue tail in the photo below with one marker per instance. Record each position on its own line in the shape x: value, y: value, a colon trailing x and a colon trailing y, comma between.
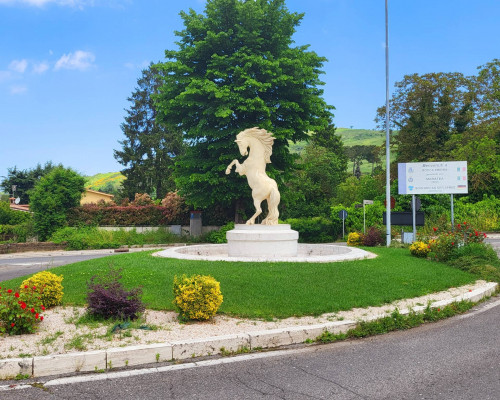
x: 274, y: 200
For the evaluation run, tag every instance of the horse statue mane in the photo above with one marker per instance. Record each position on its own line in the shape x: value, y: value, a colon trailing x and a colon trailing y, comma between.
x: 263, y: 136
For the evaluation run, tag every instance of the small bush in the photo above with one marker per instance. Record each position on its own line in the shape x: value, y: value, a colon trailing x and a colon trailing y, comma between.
x: 20, y: 311
x: 48, y: 286
x: 107, y: 298
x: 197, y: 297
x: 373, y: 237
x: 219, y: 236
x: 420, y: 249
x: 354, y: 239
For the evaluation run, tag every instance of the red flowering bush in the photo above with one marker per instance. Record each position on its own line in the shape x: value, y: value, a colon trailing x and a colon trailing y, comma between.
x: 132, y: 215
x: 443, y: 246
x: 20, y: 311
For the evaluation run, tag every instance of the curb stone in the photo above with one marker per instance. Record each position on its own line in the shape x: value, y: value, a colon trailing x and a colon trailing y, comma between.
x: 182, y: 349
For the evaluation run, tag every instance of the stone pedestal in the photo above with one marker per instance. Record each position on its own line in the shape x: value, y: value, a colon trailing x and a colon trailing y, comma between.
x: 262, y: 241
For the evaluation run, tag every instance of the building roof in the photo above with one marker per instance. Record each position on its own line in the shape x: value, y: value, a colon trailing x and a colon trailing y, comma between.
x: 99, y: 193
x: 18, y: 207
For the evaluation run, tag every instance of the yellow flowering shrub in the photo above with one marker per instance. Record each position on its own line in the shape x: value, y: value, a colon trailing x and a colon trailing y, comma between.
x: 197, y: 297
x: 48, y: 286
x: 419, y: 249
x: 355, y: 239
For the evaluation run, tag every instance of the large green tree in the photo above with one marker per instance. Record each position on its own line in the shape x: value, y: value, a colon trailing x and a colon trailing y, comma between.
x: 149, y: 149
x: 426, y: 110
x: 52, y: 197
x: 24, y: 180
x: 235, y: 68
x: 488, y: 89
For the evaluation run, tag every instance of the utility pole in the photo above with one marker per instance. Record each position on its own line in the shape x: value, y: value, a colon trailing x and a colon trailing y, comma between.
x: 387, y: 134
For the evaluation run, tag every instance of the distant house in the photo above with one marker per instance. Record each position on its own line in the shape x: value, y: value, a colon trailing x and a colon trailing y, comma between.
x: 18, y: 207
x: 93, y: 196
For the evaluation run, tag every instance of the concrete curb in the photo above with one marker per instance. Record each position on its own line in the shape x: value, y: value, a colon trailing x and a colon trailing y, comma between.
x: 102, y: 360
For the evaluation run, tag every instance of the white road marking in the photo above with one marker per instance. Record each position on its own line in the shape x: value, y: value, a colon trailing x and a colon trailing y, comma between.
x: 481, y: 310
x: 145, y: 371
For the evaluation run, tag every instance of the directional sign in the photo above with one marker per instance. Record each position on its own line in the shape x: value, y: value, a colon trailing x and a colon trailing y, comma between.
x: 448, y: 177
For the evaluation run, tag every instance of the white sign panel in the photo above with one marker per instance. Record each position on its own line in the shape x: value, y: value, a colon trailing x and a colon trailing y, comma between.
x: 435, y: 177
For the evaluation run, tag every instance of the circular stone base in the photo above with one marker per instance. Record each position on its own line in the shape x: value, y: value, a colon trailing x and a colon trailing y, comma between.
x: 262, y: 241
x: 314, y: 253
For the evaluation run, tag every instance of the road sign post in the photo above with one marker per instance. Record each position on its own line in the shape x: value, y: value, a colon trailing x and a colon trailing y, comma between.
x: 343, y: 216
x: 365, y: 202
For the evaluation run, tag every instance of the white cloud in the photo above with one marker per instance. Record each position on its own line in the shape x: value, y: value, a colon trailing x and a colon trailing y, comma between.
x: 81, y: 60
x: 18, y: 89
x: 18, y: 65
x: 41, y: 67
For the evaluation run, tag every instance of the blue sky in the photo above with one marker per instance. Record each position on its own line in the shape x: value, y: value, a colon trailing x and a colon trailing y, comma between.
x: 68, y: 66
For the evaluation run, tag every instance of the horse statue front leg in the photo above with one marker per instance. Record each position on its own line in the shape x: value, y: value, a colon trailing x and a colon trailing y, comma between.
x: 240, y: 168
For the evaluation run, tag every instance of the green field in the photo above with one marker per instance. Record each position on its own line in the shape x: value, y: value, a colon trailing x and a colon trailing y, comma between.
x: 364, y: 137
x: 353, y: 137
x: 274, y: 290
x: 108, y: 180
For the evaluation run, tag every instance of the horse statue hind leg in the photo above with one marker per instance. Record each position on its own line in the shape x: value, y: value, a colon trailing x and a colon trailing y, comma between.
x: 272, y: 204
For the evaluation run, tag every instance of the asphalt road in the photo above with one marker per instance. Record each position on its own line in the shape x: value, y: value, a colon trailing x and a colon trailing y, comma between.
x: 20, y: 266
x: 455, y: 359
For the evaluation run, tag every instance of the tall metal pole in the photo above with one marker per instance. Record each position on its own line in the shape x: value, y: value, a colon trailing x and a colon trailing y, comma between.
x: 387, y: 135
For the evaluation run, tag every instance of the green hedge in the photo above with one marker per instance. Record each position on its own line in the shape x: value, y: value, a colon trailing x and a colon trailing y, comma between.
x: 315, y: 229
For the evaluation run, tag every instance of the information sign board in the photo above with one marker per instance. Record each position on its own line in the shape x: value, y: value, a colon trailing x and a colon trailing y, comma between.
x: 435, y: 177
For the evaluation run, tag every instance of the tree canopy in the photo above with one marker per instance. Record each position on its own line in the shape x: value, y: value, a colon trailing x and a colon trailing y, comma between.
x: 149, y: 148
x: 25, y: 180
x: 51, y: 198
x: 449, y: 116
x: 236, y: 68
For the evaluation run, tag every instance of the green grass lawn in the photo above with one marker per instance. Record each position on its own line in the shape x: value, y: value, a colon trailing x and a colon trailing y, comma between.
x: 274, y: 290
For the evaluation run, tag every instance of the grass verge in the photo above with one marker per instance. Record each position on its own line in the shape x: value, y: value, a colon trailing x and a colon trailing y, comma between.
x: 274, y: 290
x: 397, y: 321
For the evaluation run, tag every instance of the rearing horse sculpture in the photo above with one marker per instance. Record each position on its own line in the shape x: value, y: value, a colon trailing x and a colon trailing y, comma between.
x: 263, y: 188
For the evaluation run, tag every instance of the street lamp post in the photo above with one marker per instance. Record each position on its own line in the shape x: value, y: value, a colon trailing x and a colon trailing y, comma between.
x: 387, y: 134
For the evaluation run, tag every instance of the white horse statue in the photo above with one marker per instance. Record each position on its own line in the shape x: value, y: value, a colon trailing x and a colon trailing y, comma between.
x: 263, y: 188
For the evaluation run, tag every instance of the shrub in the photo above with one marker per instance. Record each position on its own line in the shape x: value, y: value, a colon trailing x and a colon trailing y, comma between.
x: 20, y: 311
x: 315, y: 229
x: 147, y: 215
x: 197, y: 297
x: 446, y: 243
x: 142, y: 199
x: 219, y: 236
x: 373, y: 237
x: 48, y: 286
x: 419, y: 249
x: 53, y: 195
x: 354, y: 239
x: 107, y: 298
x: 95, y: 238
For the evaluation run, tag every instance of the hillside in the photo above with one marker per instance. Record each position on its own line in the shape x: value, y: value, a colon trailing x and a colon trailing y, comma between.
x: 350, y: 137
x: 365, y: 137
x: 108, y: 182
